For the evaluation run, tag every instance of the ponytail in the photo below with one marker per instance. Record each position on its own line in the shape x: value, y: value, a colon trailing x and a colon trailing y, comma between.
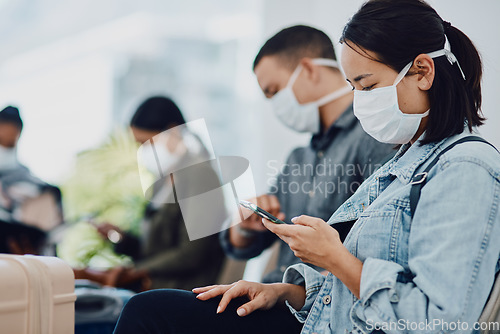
x: 470, y: 60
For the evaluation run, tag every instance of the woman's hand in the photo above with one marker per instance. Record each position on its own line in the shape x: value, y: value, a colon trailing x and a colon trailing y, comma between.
x: 311, y: 240
x: 262, y: 296
x: 314, y: 241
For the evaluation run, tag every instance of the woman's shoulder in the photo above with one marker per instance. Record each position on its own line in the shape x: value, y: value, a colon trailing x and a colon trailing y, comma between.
x: 477, y: 153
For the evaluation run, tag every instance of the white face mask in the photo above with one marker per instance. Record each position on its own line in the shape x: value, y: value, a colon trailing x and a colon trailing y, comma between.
x: 8, y: 158
x: 379, y: 114
x: 303, y: 117
x: 157, y: 157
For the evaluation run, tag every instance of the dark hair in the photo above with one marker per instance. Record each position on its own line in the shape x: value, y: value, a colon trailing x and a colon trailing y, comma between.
x: 398, y: 31
x: 157, y: 113
x: 294, y: 43
x: 11, y: 115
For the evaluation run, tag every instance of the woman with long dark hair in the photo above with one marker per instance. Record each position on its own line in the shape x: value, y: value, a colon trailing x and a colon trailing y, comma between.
x: 423, y: 250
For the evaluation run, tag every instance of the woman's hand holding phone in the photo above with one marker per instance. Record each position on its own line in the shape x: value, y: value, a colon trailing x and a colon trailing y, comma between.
x: 311, y: 239
x: 314, y: 241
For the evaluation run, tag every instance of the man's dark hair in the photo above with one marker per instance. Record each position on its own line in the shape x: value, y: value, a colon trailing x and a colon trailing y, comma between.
x: 157, y: 113
x: 294, y: 43
x: 11, y: 115
x: 398, y: 31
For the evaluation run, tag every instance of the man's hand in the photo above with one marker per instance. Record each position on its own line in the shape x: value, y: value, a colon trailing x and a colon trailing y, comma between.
x: 109, y: 232
x: 115, y: 277
x: 241, y: 235
x: 21, y: 245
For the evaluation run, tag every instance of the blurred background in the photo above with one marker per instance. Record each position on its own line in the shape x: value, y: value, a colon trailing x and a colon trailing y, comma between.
x: 77, y: 71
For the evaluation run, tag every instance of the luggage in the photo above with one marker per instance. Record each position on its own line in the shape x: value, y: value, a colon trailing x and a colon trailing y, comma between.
x: 36, y: 295
x: 97, y: 308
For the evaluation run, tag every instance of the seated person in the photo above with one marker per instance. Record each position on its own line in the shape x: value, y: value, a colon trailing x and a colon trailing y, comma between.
x: 406, y: 266
x: 163, y: 253
x: 29, y: 207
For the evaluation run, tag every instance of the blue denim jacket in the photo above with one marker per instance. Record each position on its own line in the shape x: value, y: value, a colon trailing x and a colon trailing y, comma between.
x: 428, y: 274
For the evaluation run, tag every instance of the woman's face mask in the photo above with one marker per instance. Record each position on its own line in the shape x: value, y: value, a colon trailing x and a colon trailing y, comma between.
x: 379, y: 114
x: 378, y: 109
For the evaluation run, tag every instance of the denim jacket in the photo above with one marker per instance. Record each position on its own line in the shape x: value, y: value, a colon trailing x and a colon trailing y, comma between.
x: 429, y: 274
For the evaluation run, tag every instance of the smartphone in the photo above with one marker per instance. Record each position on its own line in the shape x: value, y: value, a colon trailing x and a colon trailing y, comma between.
x: 262, y: 213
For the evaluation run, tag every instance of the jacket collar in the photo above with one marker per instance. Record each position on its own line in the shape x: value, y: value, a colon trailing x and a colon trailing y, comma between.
x: 410, y: 157
x: 403, y: 166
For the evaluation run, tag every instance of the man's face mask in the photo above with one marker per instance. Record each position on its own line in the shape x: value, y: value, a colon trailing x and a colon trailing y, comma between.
x: 303, y: 117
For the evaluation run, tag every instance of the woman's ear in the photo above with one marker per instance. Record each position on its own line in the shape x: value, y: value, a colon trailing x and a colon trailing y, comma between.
x: 311, y: 70
x: 423, y: 67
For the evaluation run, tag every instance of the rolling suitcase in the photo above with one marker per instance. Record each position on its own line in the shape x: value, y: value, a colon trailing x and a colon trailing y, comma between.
x: 97, y: 307
x: 36, y: 295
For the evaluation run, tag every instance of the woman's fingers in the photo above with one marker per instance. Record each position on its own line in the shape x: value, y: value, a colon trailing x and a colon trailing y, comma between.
x: 255, y: 304
x: 214, y: 292
x: 307, y: 221
x: 237, y: 290
x: 204, y: 288
x: 299, y: 225
x: 285, y: 230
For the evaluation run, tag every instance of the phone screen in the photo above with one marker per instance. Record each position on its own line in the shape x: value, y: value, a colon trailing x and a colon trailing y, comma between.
x: 261, y: 212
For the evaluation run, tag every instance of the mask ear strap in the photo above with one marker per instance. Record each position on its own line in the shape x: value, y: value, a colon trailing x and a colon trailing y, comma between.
x: 316, y: 61
x: 446, y: 51
x: 294, y: 76
x: 326, y: 62
x: 402, y: 74
x: 450, y: 56
x: 334, y: 95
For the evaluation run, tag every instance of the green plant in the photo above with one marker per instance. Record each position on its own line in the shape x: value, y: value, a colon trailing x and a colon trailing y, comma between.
x: 104, y: 187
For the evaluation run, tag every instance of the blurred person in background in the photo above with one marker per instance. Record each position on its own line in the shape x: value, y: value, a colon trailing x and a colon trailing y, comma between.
x: 298, y: 72
x: 29, y: 207
x: 163, y: 255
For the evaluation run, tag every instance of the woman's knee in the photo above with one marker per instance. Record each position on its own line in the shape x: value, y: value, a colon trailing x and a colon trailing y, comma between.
x: 169, y: 301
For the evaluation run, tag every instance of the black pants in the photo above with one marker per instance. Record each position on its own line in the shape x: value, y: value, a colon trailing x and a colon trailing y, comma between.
x: 176, y: 311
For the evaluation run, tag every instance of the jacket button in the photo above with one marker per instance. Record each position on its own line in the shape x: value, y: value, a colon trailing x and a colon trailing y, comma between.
x: 320, y: 154
x: 393, y: 296
x: 327, y: 300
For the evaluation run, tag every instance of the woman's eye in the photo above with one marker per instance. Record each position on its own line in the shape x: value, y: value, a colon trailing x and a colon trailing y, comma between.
x: 369, y: 87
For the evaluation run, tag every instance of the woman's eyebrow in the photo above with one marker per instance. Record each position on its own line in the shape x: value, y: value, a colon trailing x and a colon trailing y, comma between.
x: 359, y: 77
x: 362, y: 76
